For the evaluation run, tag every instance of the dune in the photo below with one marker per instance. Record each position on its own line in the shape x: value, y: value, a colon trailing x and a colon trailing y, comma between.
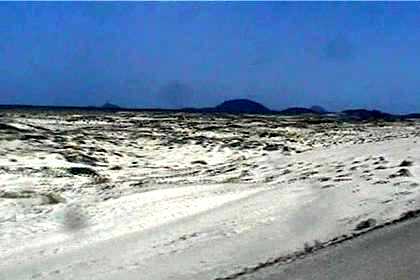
x: 188, y: 196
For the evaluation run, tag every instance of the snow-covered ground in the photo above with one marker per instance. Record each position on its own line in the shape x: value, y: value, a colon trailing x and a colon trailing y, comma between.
x: 178, y: 196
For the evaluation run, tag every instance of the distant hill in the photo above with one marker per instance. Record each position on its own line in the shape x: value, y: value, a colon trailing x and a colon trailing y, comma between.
x: 235, y: 106
x: 412, y: 116
x: 363, y: 114
x: 318, y: 109
x: 242, y: 106
x: 297, y: 111
x: 108, y: 105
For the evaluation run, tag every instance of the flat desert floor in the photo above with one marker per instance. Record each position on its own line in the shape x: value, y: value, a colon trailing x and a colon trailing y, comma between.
x: 96, y: 195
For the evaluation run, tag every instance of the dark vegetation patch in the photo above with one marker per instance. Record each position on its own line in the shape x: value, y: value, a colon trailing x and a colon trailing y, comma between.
x: 381, y: 182
x: 365, y: 224
x: 343, y: 179
x: 271, y: 147
x: 381, y: 167
x: 47, y: 198
x: 200, y: 162
x: 324, y: 179
x: 406, y: 163
x: 115, y: 168
x: 10, y: 128
x: 53, y: 198
x: 86, y: 171
x: 403, y: 172
x: 80, y: 158
x: 33, y: 137
x: 17, y: 194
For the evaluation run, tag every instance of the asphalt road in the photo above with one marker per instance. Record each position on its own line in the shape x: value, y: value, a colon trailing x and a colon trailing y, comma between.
x: 389, y: 253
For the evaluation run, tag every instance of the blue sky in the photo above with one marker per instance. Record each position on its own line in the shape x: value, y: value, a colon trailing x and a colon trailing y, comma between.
x: 338, y: 55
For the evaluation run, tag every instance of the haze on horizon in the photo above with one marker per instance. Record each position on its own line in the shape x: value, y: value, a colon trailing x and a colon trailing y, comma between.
x: 338, y: 55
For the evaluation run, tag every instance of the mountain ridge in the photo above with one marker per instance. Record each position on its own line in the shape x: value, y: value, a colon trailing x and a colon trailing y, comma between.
x: 236, y: 106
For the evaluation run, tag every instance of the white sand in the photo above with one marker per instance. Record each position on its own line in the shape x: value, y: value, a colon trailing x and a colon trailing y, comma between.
x: 163, y: 217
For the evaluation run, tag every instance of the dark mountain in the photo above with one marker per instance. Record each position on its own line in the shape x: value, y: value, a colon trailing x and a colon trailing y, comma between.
x: 297, y: 111
x: 362, y: 114
x: 235, y: 106
x: 238, y: 106
x: 412, y: 116
x: 246, y: 106
x: 108, y: 105
x: 318, y: 109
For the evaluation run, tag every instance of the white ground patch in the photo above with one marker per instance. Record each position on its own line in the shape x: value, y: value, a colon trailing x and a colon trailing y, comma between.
x: 188, y: 207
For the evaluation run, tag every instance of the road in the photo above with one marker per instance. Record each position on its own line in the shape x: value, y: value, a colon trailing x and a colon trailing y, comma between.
x: 392, y: 253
